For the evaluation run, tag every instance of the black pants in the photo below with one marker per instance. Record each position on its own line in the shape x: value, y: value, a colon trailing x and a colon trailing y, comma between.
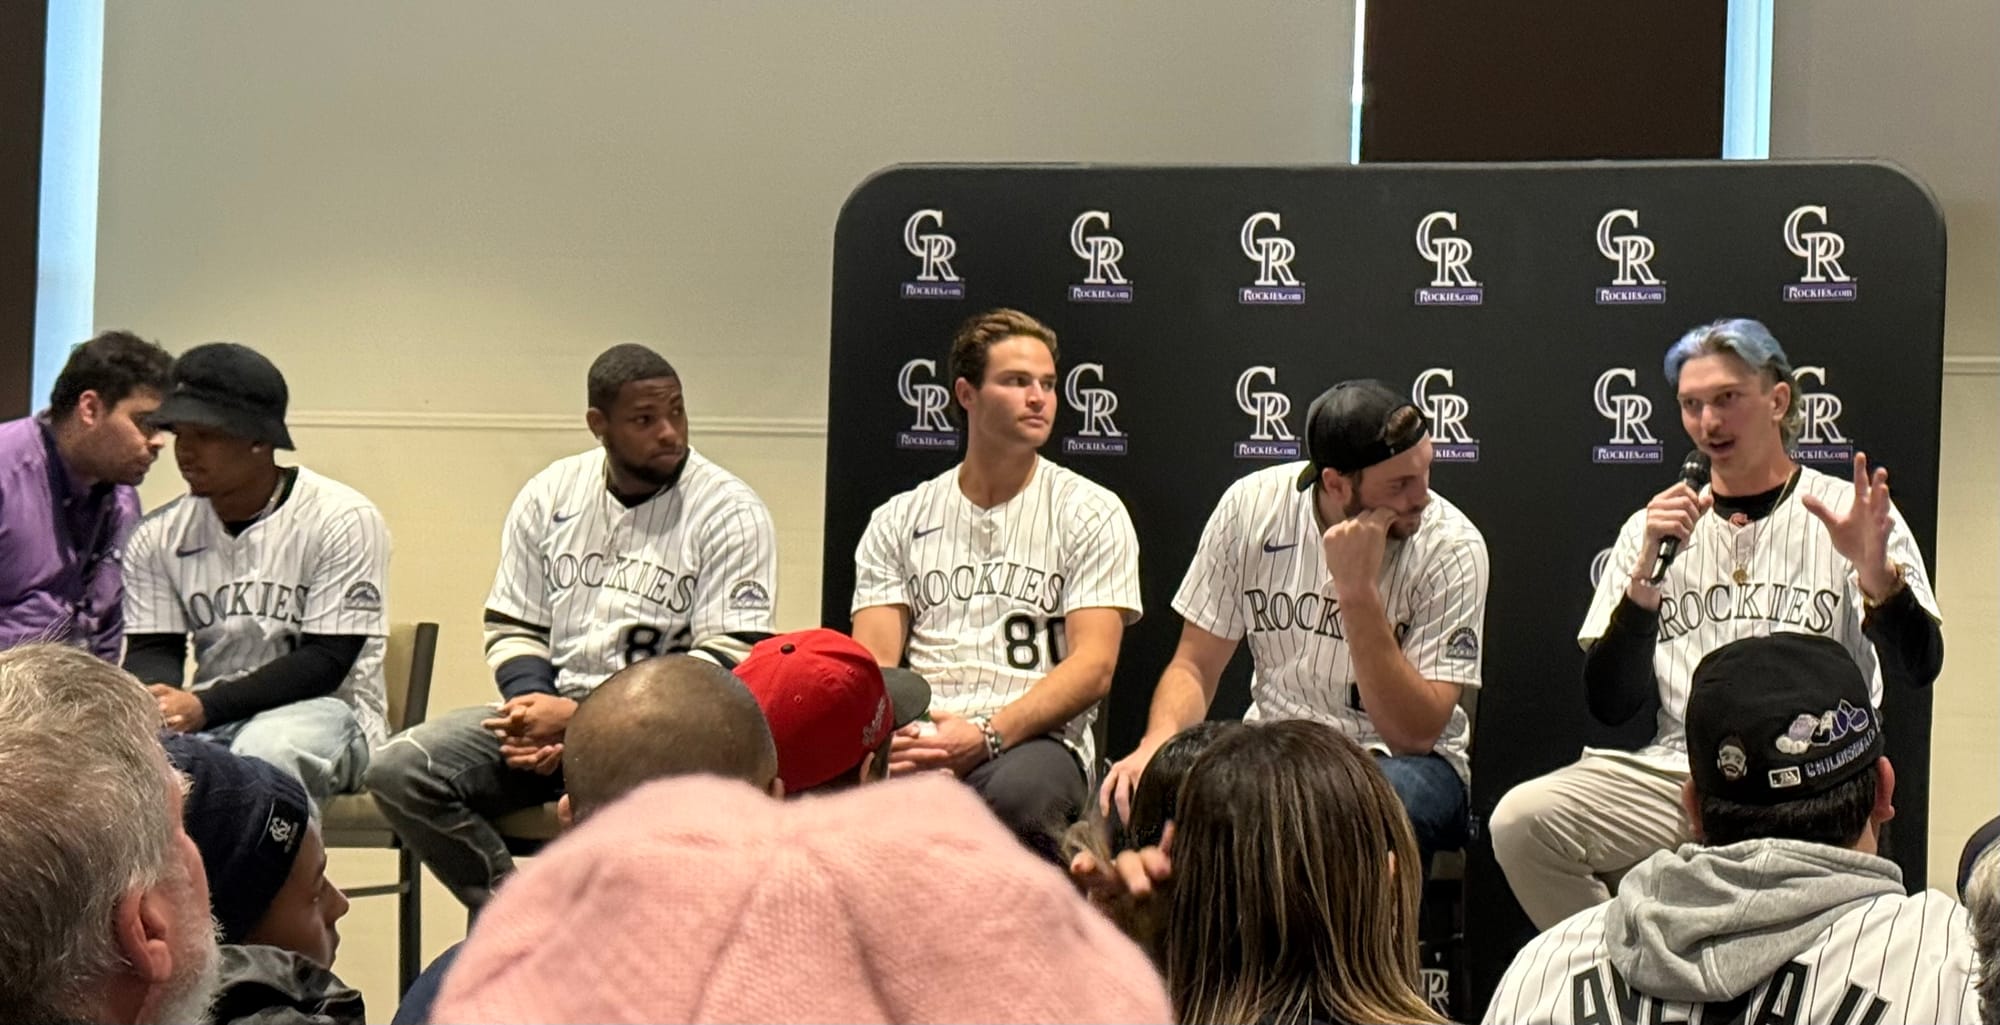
x: 1037, y: 788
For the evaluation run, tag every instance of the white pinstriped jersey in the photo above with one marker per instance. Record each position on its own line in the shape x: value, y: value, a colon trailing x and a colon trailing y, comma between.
x: 615, y: 585
x: 1891, y: 960
x: 988, y: 589
x: 319, y: 564
x: 1260, y: 570
x: 1793, y: 579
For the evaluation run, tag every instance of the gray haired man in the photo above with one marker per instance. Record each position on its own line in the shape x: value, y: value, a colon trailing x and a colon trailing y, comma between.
x: 104, y: 905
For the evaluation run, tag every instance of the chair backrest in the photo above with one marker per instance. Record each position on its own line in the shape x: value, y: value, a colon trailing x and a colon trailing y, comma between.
x: 406, y: 672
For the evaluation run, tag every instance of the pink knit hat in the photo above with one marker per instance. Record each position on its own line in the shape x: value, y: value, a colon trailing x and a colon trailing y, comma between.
x: 700, y: 899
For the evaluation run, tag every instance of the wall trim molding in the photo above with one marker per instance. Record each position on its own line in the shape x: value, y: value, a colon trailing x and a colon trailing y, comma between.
x: 365, y: 419
x: 1971, y: 366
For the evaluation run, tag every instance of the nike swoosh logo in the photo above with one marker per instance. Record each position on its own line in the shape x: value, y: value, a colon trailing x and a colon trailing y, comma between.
x: 560, y: 518
x: 185, y: 552
x: 927, y: 532
x: 1270, y: 548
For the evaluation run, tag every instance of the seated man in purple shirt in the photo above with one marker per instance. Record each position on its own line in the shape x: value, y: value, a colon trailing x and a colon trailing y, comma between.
x: 67, y: 502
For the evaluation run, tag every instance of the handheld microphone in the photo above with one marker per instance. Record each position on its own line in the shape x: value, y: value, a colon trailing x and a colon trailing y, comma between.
x: 1694, y: 473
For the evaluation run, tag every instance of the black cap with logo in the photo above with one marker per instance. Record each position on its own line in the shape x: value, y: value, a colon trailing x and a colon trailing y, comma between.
x: 231, y: 388
x: 1776, y: 719
x: 1347, y: 429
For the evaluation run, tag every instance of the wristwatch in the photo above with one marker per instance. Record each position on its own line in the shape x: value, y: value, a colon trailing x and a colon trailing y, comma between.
x: 994, y: 741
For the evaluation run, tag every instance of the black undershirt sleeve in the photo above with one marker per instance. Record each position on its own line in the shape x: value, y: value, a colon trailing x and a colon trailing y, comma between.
x: 1618, y: 667
x: 157, y: 658
x: 314, y: 669
x: 1906, y: 638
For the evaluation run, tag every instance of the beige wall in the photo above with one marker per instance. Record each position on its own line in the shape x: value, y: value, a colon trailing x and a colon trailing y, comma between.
x: 432, y: 215
x: 1920, y: 85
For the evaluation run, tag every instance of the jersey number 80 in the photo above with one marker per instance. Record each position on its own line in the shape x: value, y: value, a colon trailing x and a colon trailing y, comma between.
x: 1025, y: 649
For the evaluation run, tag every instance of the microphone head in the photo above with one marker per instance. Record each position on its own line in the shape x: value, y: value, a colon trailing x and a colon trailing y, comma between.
x: 1694, y: 469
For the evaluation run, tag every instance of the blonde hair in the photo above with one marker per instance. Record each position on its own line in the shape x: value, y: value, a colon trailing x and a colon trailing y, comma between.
x: 1296, y: 884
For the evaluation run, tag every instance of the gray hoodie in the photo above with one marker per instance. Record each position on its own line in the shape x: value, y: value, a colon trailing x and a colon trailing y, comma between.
x: 1703, y: 924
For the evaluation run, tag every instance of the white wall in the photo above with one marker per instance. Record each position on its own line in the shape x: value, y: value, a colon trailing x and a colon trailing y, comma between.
x: 433, y: 215
x: 1920, y: 85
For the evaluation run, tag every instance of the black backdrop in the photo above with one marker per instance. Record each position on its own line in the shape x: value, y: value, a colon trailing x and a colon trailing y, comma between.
x: 1177, y: 290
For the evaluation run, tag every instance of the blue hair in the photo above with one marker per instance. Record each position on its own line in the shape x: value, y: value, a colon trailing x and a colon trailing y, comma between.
x: 1749, y: 341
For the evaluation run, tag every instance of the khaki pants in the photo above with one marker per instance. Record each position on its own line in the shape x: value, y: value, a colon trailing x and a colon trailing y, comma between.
x: 1564, y: 837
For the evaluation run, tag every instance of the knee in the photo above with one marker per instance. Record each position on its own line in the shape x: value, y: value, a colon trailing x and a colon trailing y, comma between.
x: 1515, y: 820
x: 392, y: 766
x: 1029, y: 807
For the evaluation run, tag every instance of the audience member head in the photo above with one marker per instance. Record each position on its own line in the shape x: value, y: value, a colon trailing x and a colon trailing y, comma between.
x: 264, y: 856
x: 669, y: 716
x: 103, y: 905
x: 103, y: 403
x: 832, y: 710
x: 1982, y: 898
x: 1784, y: 745
x: 638, y: 413
x: 700, y: 900
x: 1295, y: 884
x: 1154, y: 799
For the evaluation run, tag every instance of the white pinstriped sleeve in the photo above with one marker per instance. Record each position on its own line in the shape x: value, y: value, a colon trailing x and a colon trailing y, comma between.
x: 1210, y: 595
x: 520, y: 589
x: 151, y: 606
x: 347, y: 586
x: 1103, y: 564
x: 879, y: 559
x: 1617, y: 573
x: 738, y: 592
x: 1447, y: 634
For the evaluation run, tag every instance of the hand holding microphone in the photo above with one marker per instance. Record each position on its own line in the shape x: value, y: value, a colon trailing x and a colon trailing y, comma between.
x: 1670, y: 518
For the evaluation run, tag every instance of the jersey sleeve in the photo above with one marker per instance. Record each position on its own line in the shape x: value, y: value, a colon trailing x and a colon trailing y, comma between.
x: 738, y: 589
x: 1446, y: 641
x: 1102, y: 562
x: 1611, y: 583
x: 1210, y: 595
x: 520, y: 589
x: 349, y: 577
x: 1903, y: 551
x: 152, y: 605
x: 878, y: 561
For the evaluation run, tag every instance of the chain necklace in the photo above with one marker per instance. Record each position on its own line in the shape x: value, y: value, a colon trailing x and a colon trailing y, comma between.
x: 1744, y: 544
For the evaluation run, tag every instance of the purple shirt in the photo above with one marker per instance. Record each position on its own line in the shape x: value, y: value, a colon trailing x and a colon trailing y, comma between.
x: 60, y: 545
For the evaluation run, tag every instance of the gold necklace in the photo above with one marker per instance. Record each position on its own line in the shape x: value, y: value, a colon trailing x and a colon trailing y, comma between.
x: 1744, y: 544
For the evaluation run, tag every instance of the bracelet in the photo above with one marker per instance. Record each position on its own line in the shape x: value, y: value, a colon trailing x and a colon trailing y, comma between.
x: 994, y: 742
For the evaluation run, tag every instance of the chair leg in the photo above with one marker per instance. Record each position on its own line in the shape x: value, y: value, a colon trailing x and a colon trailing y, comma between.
x: 409, y: 920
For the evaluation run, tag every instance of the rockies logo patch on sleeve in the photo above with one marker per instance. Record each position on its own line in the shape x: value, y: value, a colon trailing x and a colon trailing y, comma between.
x: 363, y: 597
x: 1463, y: 645
x: 749, y: 594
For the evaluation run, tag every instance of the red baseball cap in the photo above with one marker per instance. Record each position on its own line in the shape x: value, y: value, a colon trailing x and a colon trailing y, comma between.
x: 828, y: 703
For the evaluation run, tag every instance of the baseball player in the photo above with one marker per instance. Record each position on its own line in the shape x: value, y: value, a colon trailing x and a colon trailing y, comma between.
x: 1363, y: 594
x: 276, y: 572
x: 1767, y: 546
x: 1008, y: 581
x: 639, y: 548
x: 1781, y: 910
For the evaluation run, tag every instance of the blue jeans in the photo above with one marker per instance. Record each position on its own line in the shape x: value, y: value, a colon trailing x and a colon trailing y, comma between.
x: 1433, y: 796
x: 318, y: 741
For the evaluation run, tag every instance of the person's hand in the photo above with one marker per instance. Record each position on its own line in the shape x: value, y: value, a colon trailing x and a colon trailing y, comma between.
x: 957, y: 747
x: 1353, y: 549
x: 539, y: 719
x: 1861, y: 533
x: 541, y: 759
x: 1131, y: 889
x: 1672, y: 513
x: 179, y: 710
x: 1123, y: 779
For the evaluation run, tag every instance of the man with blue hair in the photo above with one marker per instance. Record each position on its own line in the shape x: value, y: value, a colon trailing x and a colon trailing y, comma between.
x: 1767, y: 546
